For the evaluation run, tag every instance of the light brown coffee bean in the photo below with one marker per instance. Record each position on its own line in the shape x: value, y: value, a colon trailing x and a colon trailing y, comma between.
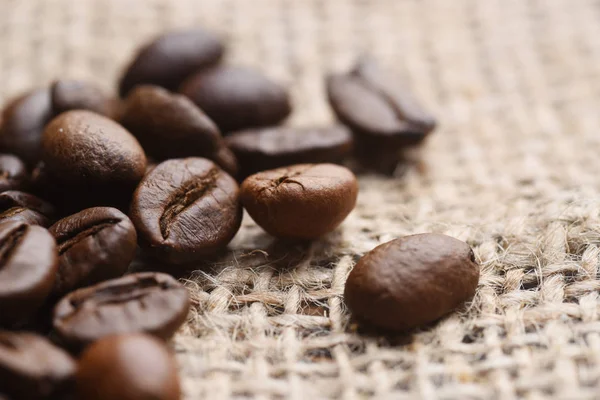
x: 302, y: 201
x: 411, y: 281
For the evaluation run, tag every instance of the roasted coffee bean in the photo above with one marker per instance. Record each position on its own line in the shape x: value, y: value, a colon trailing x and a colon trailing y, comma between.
x: 147, y: 302
x: 268, y: 148
x: 94, y: 245
x: 172, y: 57
x: 69, y: 95
x: 301, y: 201
x: 411, y: 281
x: 32, y: 368
x: 382, y: 114
x: 169, y: 125
x: 26, y: 208
x: 128, y: 367
x: 23, y: 122
x: 238, y: 98
x: 13, y: 173
x: 185, y: 209
x: 28, y: 264
x: 86, y: 154
x: 225, y: 159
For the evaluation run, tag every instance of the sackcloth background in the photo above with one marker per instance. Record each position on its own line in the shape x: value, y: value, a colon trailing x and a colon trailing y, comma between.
x: 514, y: 170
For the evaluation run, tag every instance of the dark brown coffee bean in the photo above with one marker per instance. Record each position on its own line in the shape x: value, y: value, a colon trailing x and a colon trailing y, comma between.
x: 69, y: 95
x: 238, y: 98
x: 147, y: 302
x: 13, y: 173
x: 28, y: 264
x: 86, y: 154
x: 185, y: 209
x: 94, y: 245
x: 225, y: 159
x: 23, y: 122
x: 26, y: 208
x: 128, y: 367
x: 262, y: 149
x: 172, y: 57
x: 382, y: 114
x: 169, y: 125
x: 412, y: 281
x: 32, y: 368
x: 301, y: 201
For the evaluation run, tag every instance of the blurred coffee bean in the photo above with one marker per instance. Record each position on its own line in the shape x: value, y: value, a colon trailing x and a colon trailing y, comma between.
x: 128, y: 367
x: 172, y: 57
x: 169, y: 125
x: 23, y: 121
x: 225, y: 159
x: 185, y: 209
x: 32, y: 368
x: 24, y: 207
x: 147, y: 302
x: 28, y: 265
x: 268, y: 148
x: 13, y: 173
x: 69, y: 95
x: 94, y: 245
x: 238, y: 97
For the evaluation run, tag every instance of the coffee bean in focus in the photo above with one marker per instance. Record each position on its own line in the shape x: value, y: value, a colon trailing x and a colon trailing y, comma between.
x: 301, y: 201
x: 411, y: 281
x: 186, y: 209
x: 147, y: 302
x: 128, y: 367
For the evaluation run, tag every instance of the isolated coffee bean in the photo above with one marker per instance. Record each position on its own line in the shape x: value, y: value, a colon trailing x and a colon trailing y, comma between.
x: 28, y: 264
x: 238, y: 98
x: 69, y: 95
x: 91, y: 155
x: 26, y: 208
x: 411, y: 281
x: 128, y: 367
x: 172, y: 57
x: 169, y: 125
x: 382, y: 114
x: 185, y: 209
x: 32, y: 368
x: 23, y: 122
x: 268, y: 148
x: 13, y: 173
x: 94, y: 245
x: 147, y: 302
x: 301, y: 201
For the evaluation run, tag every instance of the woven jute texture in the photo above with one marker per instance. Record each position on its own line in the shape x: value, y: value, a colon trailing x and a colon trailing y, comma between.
x: 514, y: 170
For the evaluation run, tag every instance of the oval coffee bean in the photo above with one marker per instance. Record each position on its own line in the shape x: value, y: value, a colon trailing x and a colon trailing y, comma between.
x: 128, y: 367
x: 268, y: 148
x: 411, y: 281
x: 169, y: 125
x: 23, y: 122
x: 32, y: 368
x: 26, y: 208
x: 69, y: 95
x: 94, y: 245
x: 301, y: 201
x: 147, y: 302
x: 28, y: 264
x: 82, y: 150
x: 172, y: 57
x: 13, y: 173
x: 237, y: 97
x: 185, y: 209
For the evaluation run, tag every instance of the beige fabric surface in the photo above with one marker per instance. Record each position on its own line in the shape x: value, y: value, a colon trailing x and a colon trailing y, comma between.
x: 514, y: 169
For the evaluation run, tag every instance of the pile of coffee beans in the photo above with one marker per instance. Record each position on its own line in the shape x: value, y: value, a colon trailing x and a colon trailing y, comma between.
x: 89, y: 182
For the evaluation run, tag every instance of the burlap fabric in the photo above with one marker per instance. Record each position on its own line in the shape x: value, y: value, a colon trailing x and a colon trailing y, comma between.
x: 514, y: 169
